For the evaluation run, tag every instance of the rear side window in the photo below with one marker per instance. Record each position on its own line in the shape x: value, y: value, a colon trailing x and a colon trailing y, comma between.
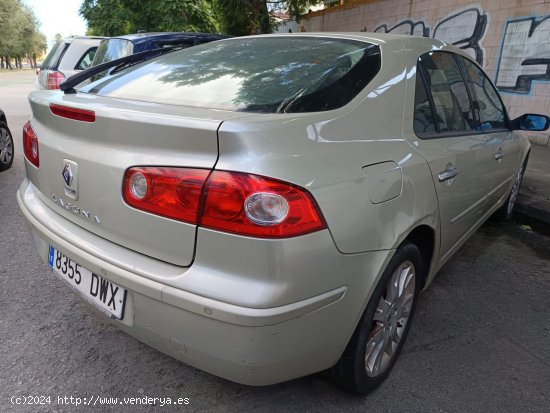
x: 423, y: 115
x: 269, y: 74
x: 86, y: 60
x: 451, y: 102
x: 112, y: 49
x: 492, y: 114
x: 51, y: 62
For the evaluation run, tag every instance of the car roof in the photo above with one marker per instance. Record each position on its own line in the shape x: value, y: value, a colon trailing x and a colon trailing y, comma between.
x: 71, y: 38
x: 420, y: 45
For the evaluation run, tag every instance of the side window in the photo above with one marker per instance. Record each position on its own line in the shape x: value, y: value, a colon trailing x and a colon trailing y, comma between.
x: 423, y: 116
x: 450, y: 97
x: 491, y: 110
x: 86, y: 61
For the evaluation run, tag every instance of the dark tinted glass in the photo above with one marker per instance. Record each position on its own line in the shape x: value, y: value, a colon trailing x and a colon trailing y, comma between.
x: 445, y: 83
x: 270, y: 74
x: 423, y: 115
x: 491, y: 110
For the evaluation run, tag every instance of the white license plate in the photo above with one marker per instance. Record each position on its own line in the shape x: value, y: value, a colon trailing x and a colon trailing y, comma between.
x: 103, y: 293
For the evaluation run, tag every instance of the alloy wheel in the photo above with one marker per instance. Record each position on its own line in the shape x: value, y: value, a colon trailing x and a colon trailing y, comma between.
x: 390, y: 319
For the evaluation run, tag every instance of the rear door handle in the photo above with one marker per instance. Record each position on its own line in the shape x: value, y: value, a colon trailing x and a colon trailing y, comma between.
x: 447, y: 174
x: 499, y: 155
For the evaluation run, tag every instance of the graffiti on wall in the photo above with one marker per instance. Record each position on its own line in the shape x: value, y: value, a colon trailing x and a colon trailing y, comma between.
x: 464, y: 29
x: 405, y: 27
x: 525, y: 54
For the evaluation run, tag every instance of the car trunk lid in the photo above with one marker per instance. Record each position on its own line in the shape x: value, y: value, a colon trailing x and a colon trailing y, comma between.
x: 123, y: 134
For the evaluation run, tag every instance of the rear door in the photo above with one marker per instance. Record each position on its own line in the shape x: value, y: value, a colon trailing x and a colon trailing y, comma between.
x: 458, y: 154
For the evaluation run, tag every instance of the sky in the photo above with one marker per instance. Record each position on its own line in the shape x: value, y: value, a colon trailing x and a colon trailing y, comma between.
x: 58, y: 16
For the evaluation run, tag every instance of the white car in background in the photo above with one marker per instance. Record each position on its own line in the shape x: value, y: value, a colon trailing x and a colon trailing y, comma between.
x: 68, y: 57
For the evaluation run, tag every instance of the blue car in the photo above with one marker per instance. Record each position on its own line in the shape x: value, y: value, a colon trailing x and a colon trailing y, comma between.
x: 121, y: 46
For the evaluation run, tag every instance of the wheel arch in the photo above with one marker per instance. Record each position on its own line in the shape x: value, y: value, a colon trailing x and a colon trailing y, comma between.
x: 423, y: 237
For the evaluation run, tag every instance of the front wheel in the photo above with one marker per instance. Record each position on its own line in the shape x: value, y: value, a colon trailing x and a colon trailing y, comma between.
x: 383, y: 328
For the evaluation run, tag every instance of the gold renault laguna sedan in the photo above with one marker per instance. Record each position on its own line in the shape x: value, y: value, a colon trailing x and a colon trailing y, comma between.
x: 268, y: 207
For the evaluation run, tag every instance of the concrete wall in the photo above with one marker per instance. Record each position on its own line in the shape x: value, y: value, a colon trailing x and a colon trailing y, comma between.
x: 510, y: 38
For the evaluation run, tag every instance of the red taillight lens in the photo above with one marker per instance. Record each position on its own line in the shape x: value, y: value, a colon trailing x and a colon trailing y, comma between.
x: 233, y: 202
x: 55, y: 79
x: 257, y: 206
x: 82, y: 115
x: 30, y: 145
x: 170, y: 192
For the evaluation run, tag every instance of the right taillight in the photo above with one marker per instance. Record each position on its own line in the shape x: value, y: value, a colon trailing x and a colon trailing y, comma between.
x: 238, y: 203
x: 55, y: 79
x: 30, y: 145
x: 257, y: 206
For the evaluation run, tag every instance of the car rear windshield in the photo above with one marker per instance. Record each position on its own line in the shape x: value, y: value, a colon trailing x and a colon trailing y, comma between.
x: 51, y: 61
x: 112, y: 49
x: 260, y: 74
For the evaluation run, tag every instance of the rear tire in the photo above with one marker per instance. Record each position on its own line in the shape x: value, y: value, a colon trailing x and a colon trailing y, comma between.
x: 6, y: 147
x: 505, y: 212
x: 383, y: 328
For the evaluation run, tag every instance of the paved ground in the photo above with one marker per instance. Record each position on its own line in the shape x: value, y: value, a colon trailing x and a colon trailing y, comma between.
x: 480, y: 341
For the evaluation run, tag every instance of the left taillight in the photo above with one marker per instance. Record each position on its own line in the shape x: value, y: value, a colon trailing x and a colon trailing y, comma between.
x: 169, y: 192
x: 30, y: 145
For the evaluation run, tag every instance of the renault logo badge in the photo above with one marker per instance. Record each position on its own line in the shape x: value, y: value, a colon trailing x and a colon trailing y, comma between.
x: 70, y: 177
x: 68, y: 174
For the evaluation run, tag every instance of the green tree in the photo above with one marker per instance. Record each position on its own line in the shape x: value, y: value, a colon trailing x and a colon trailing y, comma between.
x: 19, y: 34
x: 8, y: 29
x: 243, y: 17
x: 116, y: 17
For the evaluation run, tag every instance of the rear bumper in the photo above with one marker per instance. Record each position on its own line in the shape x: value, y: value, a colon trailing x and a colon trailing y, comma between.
x: 250, y: 345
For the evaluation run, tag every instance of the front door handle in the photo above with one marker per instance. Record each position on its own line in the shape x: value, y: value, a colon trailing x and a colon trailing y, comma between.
x: 499, y: 155
x: 447, y: 174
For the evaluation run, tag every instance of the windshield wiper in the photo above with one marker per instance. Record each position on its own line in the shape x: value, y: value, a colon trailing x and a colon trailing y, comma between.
x: 118, y: 64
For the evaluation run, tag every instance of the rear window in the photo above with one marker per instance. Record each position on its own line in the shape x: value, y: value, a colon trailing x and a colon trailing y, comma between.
x: 269, y: 74
x: 51, y: 61
x: 112, y: 49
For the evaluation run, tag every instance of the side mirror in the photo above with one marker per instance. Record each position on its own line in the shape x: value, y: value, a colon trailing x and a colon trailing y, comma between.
x: 531, y: 122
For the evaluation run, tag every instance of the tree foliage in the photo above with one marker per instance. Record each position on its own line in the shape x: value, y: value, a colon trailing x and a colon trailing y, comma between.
x: 116, y: 17
x: 236, y: 17
x: 243, y: 17
x: 19, y: 33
